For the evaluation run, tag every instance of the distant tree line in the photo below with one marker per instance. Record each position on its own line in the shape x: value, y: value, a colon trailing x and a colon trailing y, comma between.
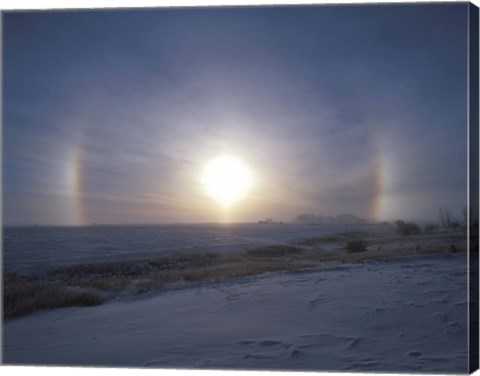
x: 344, y: 218
x: 447, y: 222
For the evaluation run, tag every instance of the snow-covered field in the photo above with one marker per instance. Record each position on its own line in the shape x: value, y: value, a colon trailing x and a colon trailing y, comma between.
x: 399, y: 315
x: 33, y: 249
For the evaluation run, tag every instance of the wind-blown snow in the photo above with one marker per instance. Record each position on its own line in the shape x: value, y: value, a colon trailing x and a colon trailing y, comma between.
x: 408, y: 315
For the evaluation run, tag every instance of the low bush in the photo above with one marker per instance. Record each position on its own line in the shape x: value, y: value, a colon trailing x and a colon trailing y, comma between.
x: 407, y: 228
x: 355, y: 246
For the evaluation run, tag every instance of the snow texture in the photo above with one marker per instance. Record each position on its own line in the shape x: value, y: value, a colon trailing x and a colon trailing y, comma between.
x: 406, y: 315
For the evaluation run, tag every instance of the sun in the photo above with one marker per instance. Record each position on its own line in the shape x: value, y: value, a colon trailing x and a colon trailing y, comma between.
x: 226, y: 179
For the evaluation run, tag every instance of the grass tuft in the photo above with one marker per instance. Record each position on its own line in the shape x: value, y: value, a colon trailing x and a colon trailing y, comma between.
x: 23, y: 295
x: 275, y: 251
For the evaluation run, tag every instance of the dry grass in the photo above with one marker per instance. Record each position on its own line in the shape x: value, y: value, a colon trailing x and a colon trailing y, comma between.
x: 111, y: 284
x: 339, y: 237
x: 23, y: 295
x: 119, y: 269
x: 319, y: 240
x: 275, y: 251
x: 383, y: 254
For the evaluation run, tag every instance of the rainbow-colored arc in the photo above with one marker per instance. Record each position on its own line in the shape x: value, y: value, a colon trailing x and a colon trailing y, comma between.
x: 77, y: 163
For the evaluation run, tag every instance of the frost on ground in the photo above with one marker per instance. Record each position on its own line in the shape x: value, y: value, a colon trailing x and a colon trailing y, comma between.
x: 398, y: 315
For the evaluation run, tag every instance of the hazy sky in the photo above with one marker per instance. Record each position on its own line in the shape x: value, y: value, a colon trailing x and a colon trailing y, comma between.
x: 110, y: 116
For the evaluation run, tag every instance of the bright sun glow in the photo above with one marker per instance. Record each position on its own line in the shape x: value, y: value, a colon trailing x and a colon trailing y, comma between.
x: 226, y: 179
